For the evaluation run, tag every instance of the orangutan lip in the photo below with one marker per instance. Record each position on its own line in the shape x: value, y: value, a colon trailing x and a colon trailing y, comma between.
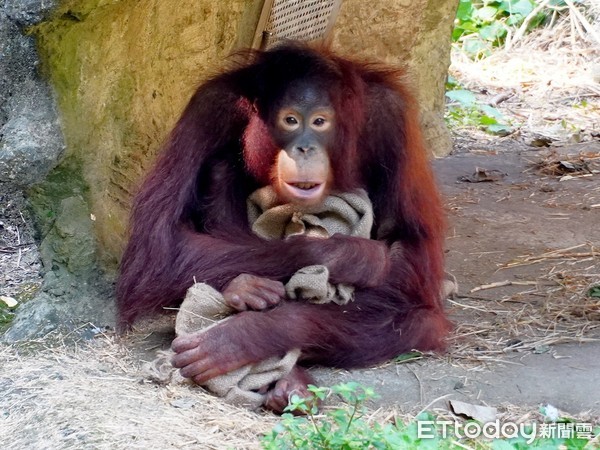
x: 305, y: 189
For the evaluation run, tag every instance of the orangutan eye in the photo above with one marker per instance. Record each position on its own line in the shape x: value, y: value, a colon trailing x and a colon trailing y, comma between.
x: 291, y: 120
x: 321, y: 122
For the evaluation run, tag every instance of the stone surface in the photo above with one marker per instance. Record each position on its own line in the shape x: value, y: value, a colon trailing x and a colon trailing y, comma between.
x: 73, y: 291
x: 410, y: 33
x: 31, y: 144
x: 30, y: 136
x: 70, y: 242
x: 27, y: 12
x: 123, y: 72
x: 31, y: 139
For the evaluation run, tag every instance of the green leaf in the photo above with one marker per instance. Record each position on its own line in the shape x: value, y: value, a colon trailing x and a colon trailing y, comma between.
x: 487, y: 120
x: 407, y: 357
x: 451, y: 83
x: 499, y: 128
x: 522, y: 7
x: 319, y: 392
x: 457, y: 33
x: 297, y: 403
x: 462, y: 96
x: 491, y: 111
x: 493, y: 32
x: 469, y: 26
x: 487, y: 13
x: 477, y: 48
x: 594, y: 292
x: 537, y: 21
x: 514, y: 20
x: 465, y: 10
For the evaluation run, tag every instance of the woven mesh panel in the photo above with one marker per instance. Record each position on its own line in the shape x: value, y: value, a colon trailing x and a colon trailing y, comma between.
x: 304, y: 20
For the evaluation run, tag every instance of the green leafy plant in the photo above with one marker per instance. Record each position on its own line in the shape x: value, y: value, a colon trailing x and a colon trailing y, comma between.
x: 6, y: 314
x: 594, y: 291
x: 482, y: 25
x: 348, y: 427
x: 342, y: 428
x: 465, y: 111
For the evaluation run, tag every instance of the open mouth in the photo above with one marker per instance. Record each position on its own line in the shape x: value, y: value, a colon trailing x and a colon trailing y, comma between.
x: 305, y: 190
x: 305, y: 186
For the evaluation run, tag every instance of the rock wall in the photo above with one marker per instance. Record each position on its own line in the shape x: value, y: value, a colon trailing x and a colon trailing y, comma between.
x: 31, y: 141
x: 123, y: 71
x: 31, y: 144
x: 410, y: 33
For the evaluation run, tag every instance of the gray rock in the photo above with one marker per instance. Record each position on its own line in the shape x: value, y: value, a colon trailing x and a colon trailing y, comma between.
x: 34, y: 319
x: 27, y: 12
x: 31, y: 140
x: 70, y: 243
x: 17, y: 62
x: 73, y: 292
x: 47, y: 313
x: 74, y: 295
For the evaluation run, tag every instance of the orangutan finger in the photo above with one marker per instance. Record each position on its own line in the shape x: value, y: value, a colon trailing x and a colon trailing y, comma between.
x: 255, y: 302
x: 202, y: 369
x: 273, y: 286
x: 195, y: 369
x: 236, y: 302
x: 272, y: 297
x: 187, y: 357
x: 187, y: 342
x: 207, y: 375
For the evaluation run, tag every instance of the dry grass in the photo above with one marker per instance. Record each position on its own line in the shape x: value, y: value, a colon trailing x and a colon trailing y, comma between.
x: 553, y: 164
x: 553, y: 309
x: 96, y: 396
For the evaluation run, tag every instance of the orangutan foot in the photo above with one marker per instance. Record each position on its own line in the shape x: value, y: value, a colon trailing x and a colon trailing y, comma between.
x: 294, y: 383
